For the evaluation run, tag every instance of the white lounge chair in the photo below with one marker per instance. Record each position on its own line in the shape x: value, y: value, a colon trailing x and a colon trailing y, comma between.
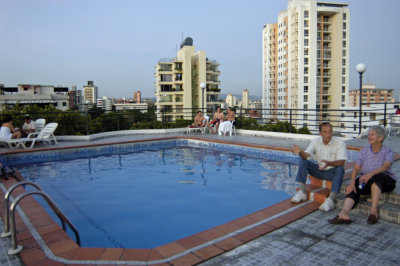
x: 201, y: 129
x: 40, y: 123
x: 46, y: 135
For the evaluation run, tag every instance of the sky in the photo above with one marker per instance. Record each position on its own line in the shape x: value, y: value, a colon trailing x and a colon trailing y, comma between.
x: 117, y: 43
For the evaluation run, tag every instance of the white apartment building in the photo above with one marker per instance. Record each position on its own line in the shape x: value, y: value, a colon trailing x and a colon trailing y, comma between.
x: 373, y: 114
x: 245, y: 99
x: 305, y: 62
x: 105, y: 103
x: 33, y: 94
x: 143, y: 106
x: 90, y: 92
x: 231, y: 101
x: 178, y: 80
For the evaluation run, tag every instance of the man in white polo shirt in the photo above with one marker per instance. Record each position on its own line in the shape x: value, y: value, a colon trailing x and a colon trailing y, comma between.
x: 330, y: 154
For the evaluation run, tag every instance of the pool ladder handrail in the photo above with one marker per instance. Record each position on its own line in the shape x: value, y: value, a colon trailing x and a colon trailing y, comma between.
x: 7, y: 231
x: 15, y: 249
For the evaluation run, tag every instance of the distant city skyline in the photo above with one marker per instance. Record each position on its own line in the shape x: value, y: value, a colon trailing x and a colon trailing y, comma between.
x: 116, y: 44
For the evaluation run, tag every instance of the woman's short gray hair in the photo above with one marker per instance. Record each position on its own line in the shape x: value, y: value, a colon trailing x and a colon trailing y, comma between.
x: 380, y: 131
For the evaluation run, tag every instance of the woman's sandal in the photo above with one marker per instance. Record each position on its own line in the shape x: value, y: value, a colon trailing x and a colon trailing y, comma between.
x: 372, y: 219
x: 338, y: 220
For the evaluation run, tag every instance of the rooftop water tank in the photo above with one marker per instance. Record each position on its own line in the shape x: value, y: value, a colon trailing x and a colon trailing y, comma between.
x: 187, y: 42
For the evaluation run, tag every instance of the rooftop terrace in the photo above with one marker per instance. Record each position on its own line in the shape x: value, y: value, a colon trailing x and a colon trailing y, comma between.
x: 309, y: 240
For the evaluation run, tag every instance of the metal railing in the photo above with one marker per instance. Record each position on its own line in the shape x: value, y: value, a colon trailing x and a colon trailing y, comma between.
x: 10, y: 214
x: 96, y: 120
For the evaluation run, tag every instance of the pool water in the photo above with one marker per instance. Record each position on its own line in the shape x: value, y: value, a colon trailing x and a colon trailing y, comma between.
x: 149, y: 198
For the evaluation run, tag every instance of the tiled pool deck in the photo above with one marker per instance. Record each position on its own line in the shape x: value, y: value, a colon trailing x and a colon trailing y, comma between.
x: 257, y: 239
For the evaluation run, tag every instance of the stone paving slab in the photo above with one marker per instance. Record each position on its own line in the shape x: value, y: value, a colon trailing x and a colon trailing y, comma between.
x: 313, y: 241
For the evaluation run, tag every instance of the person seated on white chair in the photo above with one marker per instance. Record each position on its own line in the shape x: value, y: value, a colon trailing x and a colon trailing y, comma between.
x: 7, y: 130
x: 199, y: 120
x: 28, y: 127
x: 217, y: 119
x: 226, y: 126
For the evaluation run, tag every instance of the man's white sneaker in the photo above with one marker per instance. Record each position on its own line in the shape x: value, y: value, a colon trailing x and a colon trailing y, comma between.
x: 299, y: 197
x: 328, y: 205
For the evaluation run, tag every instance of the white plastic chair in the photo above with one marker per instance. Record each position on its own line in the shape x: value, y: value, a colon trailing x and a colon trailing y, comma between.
x: 46, y: 135
x: 40, y: 123
x: 201, y: 129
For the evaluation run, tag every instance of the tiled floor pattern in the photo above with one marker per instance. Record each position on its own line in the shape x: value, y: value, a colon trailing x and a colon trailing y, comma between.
x: 312, y: 241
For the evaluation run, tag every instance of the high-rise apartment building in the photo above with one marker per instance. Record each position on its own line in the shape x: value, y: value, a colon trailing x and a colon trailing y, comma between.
x: 90, y: 92
x: 178, y: 80
x: 370, y: 94
x: 137, y: 96
x: 305, y: 62
x: 245, y: 99
x: 231, y: 101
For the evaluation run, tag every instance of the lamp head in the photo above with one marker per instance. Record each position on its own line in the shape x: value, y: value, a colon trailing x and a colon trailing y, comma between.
x: 361, y: 68
x: 202, y: 85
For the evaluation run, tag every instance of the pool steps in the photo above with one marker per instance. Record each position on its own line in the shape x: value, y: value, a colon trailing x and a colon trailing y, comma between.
x: 389, y: 203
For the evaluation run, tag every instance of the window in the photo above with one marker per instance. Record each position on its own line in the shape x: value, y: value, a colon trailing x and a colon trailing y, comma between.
x: 343, y: 62
x: 355, y: 114
x: 344, y: 44
x: 305, y: 42
x: 64, y: 103
x: 305, y: 13
x: 344, y: 35
x: 305, y: 106
x: 305, y: 51
x: 306, y: 70
x: 305, y: 89
x: 342, y: 114
x: 344, y: 25
x: 343, y: 89
x: 306, y: 61
x: 344, y: 53
x: 342, y: 125
x: 343, y: 80
x: 343, y: 71
x: 305, y: 116
x: 354, y: 127
x: 305, y: 23
x: 306, y: 98
x: 305, y: 33
x: 178, y: 77
x: 344, y: 16
x: 343, y: 98
x: 305, y: 79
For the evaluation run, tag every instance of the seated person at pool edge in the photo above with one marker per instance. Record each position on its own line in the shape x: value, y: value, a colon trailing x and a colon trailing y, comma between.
x: 199, y: 120
x: 374, y: 163
x: 216, y: 120
x: 330, y: 153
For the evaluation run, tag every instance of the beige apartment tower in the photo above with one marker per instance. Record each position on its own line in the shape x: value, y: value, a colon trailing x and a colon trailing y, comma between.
x: 178, y: 91
x: 90, y: 92
x: 370, y: 95
x: 305, y: 63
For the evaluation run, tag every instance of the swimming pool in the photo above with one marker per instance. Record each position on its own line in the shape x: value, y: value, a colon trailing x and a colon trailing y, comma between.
x: 147, y: 194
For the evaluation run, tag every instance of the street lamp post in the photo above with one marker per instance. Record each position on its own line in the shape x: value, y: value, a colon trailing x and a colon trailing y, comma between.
x: 360, y: 69
x: 202, y: 86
